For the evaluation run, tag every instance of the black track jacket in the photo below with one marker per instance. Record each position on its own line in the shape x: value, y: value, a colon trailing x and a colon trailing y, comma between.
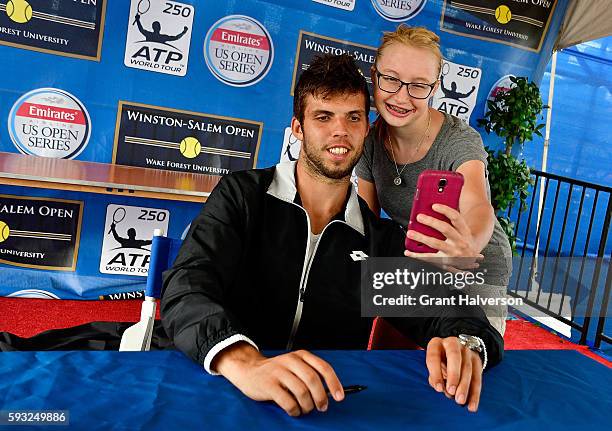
x: 242, y: 274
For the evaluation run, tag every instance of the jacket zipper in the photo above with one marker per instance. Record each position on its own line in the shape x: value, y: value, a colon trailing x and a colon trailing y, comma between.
x: 300, y: 302
x: 304, y: 278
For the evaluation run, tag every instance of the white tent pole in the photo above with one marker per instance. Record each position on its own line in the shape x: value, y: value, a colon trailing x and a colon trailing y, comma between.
x: 551, y: 91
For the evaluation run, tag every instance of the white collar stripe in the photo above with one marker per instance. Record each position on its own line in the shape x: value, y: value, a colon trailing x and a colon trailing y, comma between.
x: 283, y: 187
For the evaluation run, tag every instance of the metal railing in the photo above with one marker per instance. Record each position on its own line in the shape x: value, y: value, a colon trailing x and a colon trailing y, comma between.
x: 563, y: 240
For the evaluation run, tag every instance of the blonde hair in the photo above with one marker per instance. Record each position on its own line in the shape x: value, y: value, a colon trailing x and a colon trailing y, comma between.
x: 417, y: 37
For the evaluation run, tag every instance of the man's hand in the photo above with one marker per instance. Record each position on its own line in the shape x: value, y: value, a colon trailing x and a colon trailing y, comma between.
x: 461, y: 367
x: 293, y: 380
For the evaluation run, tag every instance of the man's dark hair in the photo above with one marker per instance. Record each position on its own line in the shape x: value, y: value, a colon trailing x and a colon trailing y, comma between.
x: 329, y: 75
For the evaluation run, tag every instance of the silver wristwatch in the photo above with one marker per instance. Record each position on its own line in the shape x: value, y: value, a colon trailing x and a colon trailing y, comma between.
x: 476, y: 344
x: 471, y: 342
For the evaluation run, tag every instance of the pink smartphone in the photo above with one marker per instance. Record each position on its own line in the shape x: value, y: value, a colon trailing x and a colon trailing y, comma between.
x: 433, y: 187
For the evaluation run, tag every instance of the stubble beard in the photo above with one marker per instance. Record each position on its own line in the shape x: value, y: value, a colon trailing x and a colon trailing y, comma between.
x: 317, y: 166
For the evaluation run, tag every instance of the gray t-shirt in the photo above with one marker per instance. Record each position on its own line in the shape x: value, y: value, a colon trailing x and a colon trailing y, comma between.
x: 455, y: 144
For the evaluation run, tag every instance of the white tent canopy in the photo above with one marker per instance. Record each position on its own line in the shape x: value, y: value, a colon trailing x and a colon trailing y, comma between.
x: 585, y: 20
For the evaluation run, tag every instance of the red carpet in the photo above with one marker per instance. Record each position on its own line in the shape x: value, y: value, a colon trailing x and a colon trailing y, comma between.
x: 28, y: 317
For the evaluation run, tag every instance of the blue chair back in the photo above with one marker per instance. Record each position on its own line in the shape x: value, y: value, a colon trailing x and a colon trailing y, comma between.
x: 163, y: 254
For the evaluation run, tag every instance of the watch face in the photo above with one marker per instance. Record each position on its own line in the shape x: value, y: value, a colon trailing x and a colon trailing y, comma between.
x: 470, y: 342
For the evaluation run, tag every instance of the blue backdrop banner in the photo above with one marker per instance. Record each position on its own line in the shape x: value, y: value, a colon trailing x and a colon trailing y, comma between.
x: 206, y: 87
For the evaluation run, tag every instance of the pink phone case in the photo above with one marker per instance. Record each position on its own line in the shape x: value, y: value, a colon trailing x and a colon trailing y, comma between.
x: 433, y: 187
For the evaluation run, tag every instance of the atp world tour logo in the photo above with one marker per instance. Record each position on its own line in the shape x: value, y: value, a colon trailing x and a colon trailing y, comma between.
x: 127, y: 239
x: 158, y: 36
x: 340, y: 4
x: 458, y: 89
x: 398, y: 10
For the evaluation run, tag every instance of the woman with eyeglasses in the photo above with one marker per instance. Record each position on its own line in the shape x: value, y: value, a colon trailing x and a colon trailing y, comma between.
x: 409, y: 137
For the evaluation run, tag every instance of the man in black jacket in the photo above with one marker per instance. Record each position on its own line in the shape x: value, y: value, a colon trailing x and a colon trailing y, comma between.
x: 270, y: 263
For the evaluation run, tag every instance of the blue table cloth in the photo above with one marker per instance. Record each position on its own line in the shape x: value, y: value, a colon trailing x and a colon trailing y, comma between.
x: 554, y: 390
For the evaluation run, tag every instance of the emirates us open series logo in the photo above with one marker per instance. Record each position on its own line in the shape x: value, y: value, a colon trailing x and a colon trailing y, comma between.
x: 398, y: 10
x: 238, y: 50
x: 49, y: 122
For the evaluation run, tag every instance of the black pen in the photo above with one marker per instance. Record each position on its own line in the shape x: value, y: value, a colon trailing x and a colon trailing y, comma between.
x: 352, y: 389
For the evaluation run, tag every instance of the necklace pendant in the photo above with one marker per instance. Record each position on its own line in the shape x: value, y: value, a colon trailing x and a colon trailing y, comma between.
x: 397, y: 181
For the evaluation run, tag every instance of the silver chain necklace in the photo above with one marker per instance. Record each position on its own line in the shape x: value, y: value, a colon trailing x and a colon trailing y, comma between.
x: 398, y: 180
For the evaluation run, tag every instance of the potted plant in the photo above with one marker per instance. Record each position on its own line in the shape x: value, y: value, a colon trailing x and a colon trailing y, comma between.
x: 513, y: 115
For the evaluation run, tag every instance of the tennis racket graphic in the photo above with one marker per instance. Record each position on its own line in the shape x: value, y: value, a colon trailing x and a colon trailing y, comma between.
x: 143, y: 7
x: 445, y: 68
x: 118, y: 216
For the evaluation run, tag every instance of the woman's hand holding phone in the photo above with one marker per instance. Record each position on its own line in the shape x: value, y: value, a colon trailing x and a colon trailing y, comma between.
x: 437, y: 232
x: 457, y: 251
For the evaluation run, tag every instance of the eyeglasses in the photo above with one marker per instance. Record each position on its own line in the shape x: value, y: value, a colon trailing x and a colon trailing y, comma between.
x: 390, y: 84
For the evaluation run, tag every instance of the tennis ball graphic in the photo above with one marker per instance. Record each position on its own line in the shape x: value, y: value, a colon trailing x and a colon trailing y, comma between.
x: 190, y: 147
x: 503, y: 14
x: 19, y: 11
x: 4, y: 231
